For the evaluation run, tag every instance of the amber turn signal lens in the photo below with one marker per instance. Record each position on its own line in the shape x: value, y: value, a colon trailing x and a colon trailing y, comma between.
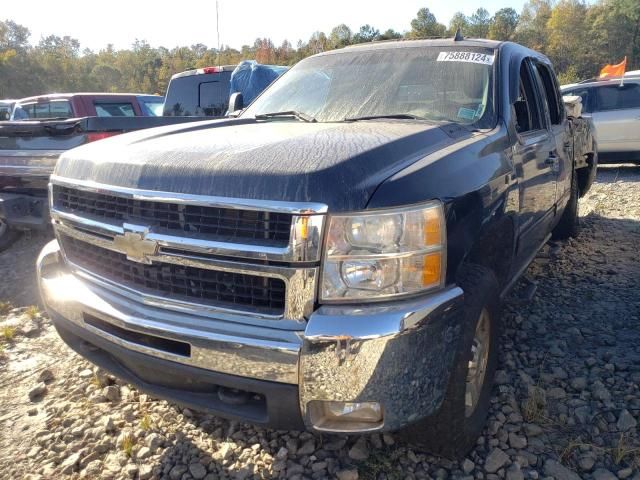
x: 432, y: 227
x: 304, y: 230
x: 431, y: 269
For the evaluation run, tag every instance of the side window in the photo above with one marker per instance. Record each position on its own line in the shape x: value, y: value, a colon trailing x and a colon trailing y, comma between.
x: 52, y: 109
x: 527, y: 109
x: 23, y: 111
x: 551, y: 92
x: 585, y: 94
x: 119, y: 109
x: 618, y: 97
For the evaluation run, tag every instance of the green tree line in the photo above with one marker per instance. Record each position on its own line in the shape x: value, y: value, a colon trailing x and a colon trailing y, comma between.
x: 579, y: 37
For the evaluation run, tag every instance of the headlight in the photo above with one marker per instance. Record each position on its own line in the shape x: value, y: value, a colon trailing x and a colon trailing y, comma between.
x: 384, y: 254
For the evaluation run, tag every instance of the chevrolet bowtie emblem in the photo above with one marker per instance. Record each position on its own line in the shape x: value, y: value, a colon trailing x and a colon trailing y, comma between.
x: 136, y: 246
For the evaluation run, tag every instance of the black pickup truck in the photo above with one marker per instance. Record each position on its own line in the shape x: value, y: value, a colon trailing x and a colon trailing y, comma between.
x: 334, y: 258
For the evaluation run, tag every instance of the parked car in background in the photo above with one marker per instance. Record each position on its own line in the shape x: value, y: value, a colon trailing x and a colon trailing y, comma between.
x: 333, y: 258
x: 152, y: 105
x: 205, y: 91
x: 45, y: 126
x: 29, y: 150
x: 77, y: 105
x: 202, y: 92
x: 613, y: 104
x: 6, y: 107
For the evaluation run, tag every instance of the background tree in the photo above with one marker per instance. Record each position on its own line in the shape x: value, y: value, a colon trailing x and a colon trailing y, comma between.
x: 567, y: 21
x: 580, y: 36
x: 459, y: 21
x: 317, y: 43
x: 614, y: 31
x: 425, y: 25
x: 390, y: 34
x: 367, y: 33
x: 479, y: 23
x: 340, y: 36
x: 532, y: 25
x: 503, y: 25
x: 265, y: 51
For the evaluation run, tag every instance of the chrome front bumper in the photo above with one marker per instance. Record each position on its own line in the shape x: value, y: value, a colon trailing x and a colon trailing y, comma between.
x: 398, y: 354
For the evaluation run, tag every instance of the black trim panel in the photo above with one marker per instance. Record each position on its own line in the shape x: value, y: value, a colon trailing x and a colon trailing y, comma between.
x: 269, y: 404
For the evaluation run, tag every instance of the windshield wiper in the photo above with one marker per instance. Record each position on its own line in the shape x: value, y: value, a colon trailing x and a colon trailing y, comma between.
x: 289, y: 113
x: 391, y: 115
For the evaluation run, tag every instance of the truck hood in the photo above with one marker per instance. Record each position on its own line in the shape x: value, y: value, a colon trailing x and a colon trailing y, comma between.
x: 339, y: 164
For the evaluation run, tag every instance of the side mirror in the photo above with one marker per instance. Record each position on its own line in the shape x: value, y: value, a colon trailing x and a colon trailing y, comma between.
x: 236, y: 102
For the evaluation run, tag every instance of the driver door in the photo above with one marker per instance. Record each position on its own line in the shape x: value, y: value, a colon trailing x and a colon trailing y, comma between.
x: 536, y: 161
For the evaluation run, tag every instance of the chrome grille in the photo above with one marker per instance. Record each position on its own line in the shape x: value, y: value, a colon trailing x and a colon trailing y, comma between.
x: 178, y: 282
x: 245, y: 259
x: 223, y: 224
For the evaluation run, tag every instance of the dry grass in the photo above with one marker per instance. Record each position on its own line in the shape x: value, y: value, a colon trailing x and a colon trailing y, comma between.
x: 624, y: 449
x: 8, y: 333
x: 381, y: 464
x: 568, y: 450
x: 146, y: 422
x: 32, y: 312
x: 97, y: 382
x: 533, y: 409
x: 128, y: 442
x: 5, y: 307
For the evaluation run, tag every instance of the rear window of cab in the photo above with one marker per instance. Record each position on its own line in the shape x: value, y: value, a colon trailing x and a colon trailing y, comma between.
x: 43, y: 110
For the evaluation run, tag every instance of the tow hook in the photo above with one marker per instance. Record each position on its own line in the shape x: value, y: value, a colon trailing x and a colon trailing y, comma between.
x: 231, y: 396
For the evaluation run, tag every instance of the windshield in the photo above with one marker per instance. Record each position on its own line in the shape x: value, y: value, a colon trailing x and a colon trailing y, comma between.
x: 434, y: 83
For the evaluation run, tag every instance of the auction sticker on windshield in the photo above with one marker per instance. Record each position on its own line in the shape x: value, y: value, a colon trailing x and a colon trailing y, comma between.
x: 473, y: 57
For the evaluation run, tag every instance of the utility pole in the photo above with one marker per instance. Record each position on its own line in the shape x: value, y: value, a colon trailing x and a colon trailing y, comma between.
x: 218, y: 32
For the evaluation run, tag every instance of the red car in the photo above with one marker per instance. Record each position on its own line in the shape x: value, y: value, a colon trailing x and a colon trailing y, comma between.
x: 76, y: 105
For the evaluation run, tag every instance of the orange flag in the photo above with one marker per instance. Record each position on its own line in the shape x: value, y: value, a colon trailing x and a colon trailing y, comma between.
x: 614, y: 70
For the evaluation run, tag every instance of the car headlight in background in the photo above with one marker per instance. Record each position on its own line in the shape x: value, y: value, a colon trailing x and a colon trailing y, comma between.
x: 384, y: 254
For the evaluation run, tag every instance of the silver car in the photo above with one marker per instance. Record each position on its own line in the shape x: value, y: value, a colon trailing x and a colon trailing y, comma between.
x: 614, y: 106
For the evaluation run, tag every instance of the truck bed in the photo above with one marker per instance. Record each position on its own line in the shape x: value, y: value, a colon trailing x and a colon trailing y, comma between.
x: 30, y: 149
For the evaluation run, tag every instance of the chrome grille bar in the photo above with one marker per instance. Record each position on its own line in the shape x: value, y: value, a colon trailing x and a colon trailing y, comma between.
x: 304, y: 246
x: 307, y: 208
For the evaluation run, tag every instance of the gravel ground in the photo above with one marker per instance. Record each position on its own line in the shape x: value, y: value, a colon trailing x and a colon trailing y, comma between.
x: 566, y: 404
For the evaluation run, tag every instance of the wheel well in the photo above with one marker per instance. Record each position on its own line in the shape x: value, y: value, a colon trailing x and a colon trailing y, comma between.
x: 494, y: 249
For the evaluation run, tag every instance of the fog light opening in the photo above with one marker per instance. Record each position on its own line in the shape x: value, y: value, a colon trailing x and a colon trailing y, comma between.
x: 345, y: 416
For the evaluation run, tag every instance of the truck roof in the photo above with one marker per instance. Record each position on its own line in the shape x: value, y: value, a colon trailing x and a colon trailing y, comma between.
x: 204, y: 70
x: 433, y: 42
x: 53, y: 96
x: 438, y: 42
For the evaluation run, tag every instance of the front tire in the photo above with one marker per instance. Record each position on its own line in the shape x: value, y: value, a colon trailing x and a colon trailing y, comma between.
x: 454, y: 429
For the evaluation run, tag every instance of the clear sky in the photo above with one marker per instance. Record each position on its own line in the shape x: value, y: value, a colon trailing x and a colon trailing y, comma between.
x: 187, y: 22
